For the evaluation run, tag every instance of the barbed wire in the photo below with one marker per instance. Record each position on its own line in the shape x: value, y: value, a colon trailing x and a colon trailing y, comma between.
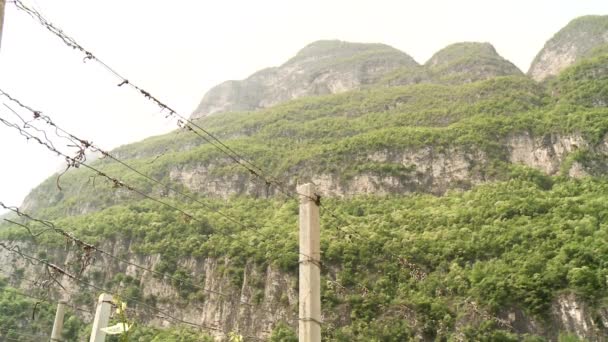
x: 79, y: 160
x: 50, y: 226
x: 40, y: 262
x: 85, y: 144
x: 76, y: 162
x: 88, y: 144
x: 182, y: 121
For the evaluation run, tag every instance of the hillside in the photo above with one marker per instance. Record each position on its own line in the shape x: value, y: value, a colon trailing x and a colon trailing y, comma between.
x: 575, y: 41
x: 322, y: 67
x: 462, y: 201
x: 458, y: 63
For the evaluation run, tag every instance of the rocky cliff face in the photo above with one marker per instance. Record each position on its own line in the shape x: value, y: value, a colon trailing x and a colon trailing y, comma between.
x: 428, y: 169
x: 579, y: 38
x: 323, y: 67
x: 430, y: 166
x: 263, y: 298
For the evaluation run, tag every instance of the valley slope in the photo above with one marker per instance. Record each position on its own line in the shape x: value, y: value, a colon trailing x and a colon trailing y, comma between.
x: 464, y: 200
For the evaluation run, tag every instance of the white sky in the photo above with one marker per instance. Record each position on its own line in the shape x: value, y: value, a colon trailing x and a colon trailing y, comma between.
x: 178, y: 49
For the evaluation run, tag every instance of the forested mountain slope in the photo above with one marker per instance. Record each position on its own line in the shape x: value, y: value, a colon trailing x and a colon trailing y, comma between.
x: 572, y: 43
x: 463, y: 201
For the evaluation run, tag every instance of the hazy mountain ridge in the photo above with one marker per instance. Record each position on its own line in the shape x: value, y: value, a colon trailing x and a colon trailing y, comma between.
x: 331, y: 67
x: 459, y: 63
x: 513, y: 249
x: 575, y: 41
x: 322, y: 67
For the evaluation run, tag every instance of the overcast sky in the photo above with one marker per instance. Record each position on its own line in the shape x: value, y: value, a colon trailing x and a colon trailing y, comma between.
x: 178, y: 49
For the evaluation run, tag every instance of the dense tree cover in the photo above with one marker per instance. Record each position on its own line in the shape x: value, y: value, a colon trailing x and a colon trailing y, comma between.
x: 585, y: 84
x: 324, y: 135
x: 456, y: 64
x: 512, y: 244
x: 395, y: 267
x: 149, y: 334
x: 25, y: 319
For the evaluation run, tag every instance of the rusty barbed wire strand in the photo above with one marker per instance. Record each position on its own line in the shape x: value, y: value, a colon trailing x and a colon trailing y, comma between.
x: 87, y: 144
x: 78, y: 160
x: 62, y: 272
x: 74, y: 162
x: 88, y: 248
x: 52, y: 227
x: 182, y: 121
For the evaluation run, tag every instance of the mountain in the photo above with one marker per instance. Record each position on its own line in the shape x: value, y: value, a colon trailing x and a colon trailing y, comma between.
x: 323, y: 67
x: 469, y: 62
x: 575, y: 41
x: 458, y: 63
x: 462, y: 200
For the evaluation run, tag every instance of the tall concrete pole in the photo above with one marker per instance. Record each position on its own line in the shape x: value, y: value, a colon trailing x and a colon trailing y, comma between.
x: 102, y: 318
x: 310, y: 263
x: 58, y: 325
x: 2, y: 3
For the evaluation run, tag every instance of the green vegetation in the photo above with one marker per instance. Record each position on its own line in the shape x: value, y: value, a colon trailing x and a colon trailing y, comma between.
x: 325, y: 54
x: 511, y: 244
x: 395, y: 267
x: 325, y: 135
x: 457, y: 64
x: 581, y: 38
x: 148, y: 334
x: 585, y: 84
x: 25, y: 319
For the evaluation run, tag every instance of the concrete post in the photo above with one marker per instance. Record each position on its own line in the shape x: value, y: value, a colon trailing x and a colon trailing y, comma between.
x: 58, y: 325
x: 2, y: 3
x: 310, y: 271
x: 102, y: 318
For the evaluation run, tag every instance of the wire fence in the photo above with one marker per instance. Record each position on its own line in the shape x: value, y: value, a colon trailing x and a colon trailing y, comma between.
x: 31, y: 132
